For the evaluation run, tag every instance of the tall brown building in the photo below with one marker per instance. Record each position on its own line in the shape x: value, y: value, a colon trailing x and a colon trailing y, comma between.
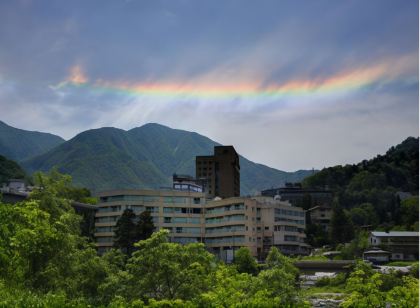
x: 221, y: 172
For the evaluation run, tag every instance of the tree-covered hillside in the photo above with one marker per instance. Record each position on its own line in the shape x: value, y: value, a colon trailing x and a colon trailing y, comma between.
x: 9, y: 169
x: 19, y: 144
x: 370, y: 189
x: 145, y: 157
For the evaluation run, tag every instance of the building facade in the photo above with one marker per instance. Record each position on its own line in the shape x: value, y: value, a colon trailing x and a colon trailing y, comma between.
x: 180, y: 212
x: 221, y: 171
x: 403, y: 245
x: 320, y: 215
x: 299, y: 196
x: 230, y: 224
x: 187, y: 183
x: 283, y: 227
x: 223, y: 225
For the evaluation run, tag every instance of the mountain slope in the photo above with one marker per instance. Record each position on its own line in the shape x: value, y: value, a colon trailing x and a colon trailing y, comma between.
x: 101, y: 159
x: 145, y: 156
x: 370, y: 190
x: 19, y: 144
x: 9, y: 169
x: 397, y: 169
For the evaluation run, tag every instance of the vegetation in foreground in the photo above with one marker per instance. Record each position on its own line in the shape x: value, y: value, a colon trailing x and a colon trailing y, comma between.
x: 45, y: 262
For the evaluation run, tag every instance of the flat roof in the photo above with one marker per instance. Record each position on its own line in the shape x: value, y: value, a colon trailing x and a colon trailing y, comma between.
x: 149, y: 192
x: 394, y: 233
x: 379, y: 251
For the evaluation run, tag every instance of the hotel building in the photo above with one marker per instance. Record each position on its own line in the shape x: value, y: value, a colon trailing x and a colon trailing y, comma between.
x: 180, y: 212
x: 221, y: 172
x: 224, y: 225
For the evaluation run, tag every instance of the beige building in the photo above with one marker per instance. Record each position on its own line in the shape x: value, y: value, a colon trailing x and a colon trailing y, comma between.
x: 283, y: 226
x: 181, y: 212
x: 224, y: 225
x: 230, y: 224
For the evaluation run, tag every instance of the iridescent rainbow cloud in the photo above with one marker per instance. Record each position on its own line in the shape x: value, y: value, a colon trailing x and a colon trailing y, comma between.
x: 344, y: 81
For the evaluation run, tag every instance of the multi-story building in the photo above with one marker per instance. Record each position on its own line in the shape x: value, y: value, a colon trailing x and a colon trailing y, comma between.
x: 221, y: 172
x: 188, y: 183
x: 298, y: 196
x: 230, y: 224
x: 257, y: 223
x: 402, y: 245
x: 180, y: 212
x: 320, y: 215
x: 283, y: 226
x: 224, y: 225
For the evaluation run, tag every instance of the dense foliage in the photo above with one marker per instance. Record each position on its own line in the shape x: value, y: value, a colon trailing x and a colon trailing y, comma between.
x: 147, y: 156
x: 128, y: 231
x: 9, y: 169
x: 371, y: 289
x: 45, y: 262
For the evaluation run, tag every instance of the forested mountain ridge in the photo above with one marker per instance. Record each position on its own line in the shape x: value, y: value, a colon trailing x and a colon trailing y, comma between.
x: 398, y: 169
x: 145, y: 157
x: 19, y: 144
x: 370, y: 189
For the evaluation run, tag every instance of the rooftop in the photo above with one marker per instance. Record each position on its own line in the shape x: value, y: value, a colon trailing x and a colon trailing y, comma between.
x: 394, y: 233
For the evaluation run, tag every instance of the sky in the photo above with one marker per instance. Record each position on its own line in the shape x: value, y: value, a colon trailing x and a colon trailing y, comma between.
x: 291, y: 84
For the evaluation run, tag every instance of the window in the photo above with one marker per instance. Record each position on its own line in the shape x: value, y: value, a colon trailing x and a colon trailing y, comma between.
x: 196, y: 211
x: 179, y: 220
x: 152, y: 209
x: 290, y: 238
x: 167, y: 220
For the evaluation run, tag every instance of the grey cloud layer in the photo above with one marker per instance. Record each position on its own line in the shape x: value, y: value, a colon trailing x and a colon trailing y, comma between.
x: 222, y: 41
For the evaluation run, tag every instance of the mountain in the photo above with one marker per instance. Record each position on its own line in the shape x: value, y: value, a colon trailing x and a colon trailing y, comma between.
x: 9, y: 169
x: 19, y: 144
x: 144, y: 157
x: 373, y: 191
x: 396, y: 170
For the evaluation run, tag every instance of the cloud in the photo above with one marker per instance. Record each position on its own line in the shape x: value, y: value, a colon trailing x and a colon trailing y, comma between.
x: 290, y: 85
x: 77, y: 75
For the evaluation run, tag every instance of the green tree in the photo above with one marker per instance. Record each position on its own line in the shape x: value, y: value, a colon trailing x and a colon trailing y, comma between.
x: 275, y: 259
x: 125, y: 232
x: 163, y: 270
x: 356, y: 247
x: 279, y: 285
x: 364, y: 214
x: 406, y: 295
x: 9, y: 169
x: 279, y: 279
x: 363, y: 285
x: 227, y: 288
x: 144, y: 226
x: 245, y: 262
x: 316, y: 235
x: 367, y: 289
x: 41, y: 246
x: 341, y: 229
x: 410, y: 213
